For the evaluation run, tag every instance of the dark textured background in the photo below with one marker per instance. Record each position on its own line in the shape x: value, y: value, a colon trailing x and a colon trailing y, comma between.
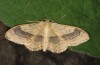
x: 13, y: 54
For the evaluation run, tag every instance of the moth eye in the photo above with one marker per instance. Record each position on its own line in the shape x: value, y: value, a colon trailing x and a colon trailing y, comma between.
x: 44, y: 20
x: 50, y: 20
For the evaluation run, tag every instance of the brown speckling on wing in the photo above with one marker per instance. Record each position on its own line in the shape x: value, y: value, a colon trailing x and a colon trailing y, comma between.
x: 72, y: 35
x: 54, y: 39
x: 22, y: 33
x: 38, y: 38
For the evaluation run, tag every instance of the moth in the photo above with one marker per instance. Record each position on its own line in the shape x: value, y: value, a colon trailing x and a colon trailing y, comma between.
x: 47, y: 35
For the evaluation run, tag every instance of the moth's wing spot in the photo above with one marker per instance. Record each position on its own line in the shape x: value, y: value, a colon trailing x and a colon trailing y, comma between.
x: 22, y: 33
x: 54, y: 39
x: 72, y: 35
x: 38, y: 38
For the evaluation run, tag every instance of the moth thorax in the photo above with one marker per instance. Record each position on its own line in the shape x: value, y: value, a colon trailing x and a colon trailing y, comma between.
x: 46, y: 33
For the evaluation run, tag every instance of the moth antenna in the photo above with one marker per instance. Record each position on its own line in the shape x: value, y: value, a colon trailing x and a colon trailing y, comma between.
x: 61, y: 18
x: 32, y: 21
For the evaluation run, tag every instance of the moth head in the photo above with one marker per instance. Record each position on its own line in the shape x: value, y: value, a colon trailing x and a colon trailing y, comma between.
x: 47, y: 20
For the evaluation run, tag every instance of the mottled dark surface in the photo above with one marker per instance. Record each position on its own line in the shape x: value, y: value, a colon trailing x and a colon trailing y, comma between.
x: 22, y: 33
x: 3, y: 29
x: 72, y: 35
x: 14, y: 54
